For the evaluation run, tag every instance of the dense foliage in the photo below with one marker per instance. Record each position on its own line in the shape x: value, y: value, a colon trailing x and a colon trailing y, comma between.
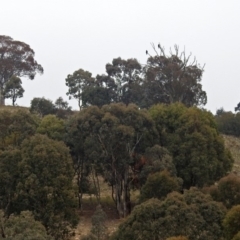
x: 36, y: 172
x: 165, y: 149
x: 15, y: 127
x: 191, y: 136
x: 22, y: 227
x: 45, y: 180
x: 52, y: 126
x: 192, y: 214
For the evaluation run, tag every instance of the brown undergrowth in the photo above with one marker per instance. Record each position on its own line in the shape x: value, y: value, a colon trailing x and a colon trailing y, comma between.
x: 89, y: 204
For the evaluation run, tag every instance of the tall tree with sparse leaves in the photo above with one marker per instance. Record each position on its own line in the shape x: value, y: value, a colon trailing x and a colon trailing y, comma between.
x: 172, y: 78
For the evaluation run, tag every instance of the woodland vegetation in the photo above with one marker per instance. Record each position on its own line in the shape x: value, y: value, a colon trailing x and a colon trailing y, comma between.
x: 140, y: 128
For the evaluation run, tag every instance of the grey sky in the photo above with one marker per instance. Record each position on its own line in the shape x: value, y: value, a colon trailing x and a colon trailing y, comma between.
x: 68, y: 35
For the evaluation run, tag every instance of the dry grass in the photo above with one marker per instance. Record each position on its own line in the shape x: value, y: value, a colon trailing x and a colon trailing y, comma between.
x: 233, y: 144
x: 12, y: 108
x: 89, y: 204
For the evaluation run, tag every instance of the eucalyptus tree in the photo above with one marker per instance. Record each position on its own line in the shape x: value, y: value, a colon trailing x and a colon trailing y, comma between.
x: 107, y: 139
x: 16, y: 59
x: 102, y: 91
x: 14, y: 89
x: 76, y: 84
x: 42, y: 106
x: 127, y: 77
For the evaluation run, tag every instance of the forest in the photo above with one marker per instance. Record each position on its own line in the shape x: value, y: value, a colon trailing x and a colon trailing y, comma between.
x: 141, y: 131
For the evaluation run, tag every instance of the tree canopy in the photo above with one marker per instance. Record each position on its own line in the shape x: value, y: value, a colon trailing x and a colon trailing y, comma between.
x: 163, y: 79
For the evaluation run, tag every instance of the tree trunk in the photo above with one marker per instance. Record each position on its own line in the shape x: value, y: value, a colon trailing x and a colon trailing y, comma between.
x: 79, y: 171
x: 96, y: 185
x: 126, y: 194
x: 119, y: 203
x: 2, y: 98
x: 121, y: 195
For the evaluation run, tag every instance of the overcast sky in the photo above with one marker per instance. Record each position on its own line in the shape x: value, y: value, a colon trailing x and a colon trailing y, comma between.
x: 87, y: 34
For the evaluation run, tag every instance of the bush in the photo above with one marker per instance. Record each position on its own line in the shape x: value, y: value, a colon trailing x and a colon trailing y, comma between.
x: 22, y: 227
x: 227, y: 190
x: 99, y: 228
x: 42, y: 106
x: 192, y: 214
x: 231, y: 222
x: 158, y: 185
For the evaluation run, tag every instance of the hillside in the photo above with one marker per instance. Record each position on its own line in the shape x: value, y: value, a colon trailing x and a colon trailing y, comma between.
x: 13, y: 108
x: 233, y: 144
x: 89, y: 202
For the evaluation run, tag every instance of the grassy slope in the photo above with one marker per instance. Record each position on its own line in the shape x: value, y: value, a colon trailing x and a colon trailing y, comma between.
x: 233, y: 144
x: 12, y: 108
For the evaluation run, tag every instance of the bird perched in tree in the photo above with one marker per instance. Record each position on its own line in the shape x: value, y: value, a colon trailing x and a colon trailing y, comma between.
x: 158, y: 45
x: 147, y: 52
